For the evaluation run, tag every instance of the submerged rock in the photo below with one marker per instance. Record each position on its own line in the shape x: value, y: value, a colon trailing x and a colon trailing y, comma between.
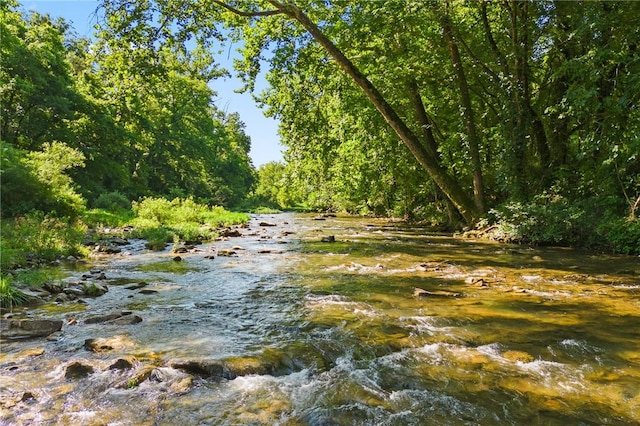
x: 102, y: 344
x: 126, y: 320
x: 242, y: 366
x: 28, y: 328
x: 28, y: 397
x: 136, y: 286
x: 102, y: 318
x: 480, y: 282
x: 139, y: 377
x: 94, y: 289
x: 177, y: 381
x: 78, y: 370
x: 418, y: 292
x: 518, y: 356
x: 120, y: 318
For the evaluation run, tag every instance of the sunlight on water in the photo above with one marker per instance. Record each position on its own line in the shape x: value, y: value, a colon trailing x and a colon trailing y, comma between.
x: 389, y: 325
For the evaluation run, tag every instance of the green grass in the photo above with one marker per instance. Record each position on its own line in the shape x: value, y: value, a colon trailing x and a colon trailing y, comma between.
x: 39, y: 237
x: 161, y: 221
x: 265, y: 210
x: 36, y: 238
x: 9, y: 295
x: 96, y: 218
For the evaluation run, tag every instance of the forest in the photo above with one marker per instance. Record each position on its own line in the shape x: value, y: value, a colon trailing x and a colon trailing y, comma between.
x: 512, y: 120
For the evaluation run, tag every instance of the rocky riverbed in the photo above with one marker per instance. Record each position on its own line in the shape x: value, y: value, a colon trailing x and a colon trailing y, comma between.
x: 299, y: 319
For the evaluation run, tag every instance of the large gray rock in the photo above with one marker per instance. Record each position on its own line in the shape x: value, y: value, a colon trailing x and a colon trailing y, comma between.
x: 28, y: 328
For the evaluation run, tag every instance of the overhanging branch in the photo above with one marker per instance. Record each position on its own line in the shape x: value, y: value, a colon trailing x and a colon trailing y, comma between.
x: 245, y: 13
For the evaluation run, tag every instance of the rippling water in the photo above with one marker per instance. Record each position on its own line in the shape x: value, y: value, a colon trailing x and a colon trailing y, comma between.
x: 296, y: 331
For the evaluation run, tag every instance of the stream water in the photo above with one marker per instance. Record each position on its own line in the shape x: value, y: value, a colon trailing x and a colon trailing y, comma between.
x: 295, y: 331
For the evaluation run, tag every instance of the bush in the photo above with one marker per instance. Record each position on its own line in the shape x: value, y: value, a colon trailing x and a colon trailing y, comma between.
x: 160, y: 221
x: 112, y: 201
x: 550, y: 219
x: 622, y: 235
x: 38, y: 181
x: 37, y: 236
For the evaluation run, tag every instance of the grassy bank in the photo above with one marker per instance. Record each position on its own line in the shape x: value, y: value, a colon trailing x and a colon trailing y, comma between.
x: 36, y: 239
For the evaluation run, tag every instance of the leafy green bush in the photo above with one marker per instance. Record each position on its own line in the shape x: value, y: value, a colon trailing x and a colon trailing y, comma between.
x: 550, y: 219
x: 167, y: 212
x: 191, y: 231
x: 157, y: 210
x: 38, y: 181
x: 112, y: 201
x: 157, y: 237
x: 37, y: 236
x: 622, y: 235
x: 160, y: 221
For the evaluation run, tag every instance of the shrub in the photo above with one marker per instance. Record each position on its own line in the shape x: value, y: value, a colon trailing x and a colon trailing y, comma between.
x: 550, y: 219
x: 112, y: 201
x: 37, y: 236
x: 160, y: 221
x: 38, y: 181
x: 622, y: 235
x: 154, y: 209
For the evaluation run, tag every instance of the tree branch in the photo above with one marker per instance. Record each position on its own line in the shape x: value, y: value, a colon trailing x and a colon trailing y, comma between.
x: 248, y: 14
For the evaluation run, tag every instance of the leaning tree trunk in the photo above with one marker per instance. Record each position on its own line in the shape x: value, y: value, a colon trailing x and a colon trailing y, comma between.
x: 449, y: 186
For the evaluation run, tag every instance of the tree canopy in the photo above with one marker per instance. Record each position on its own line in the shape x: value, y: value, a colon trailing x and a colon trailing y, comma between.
x: 454, y: 110
x: 493, y: 100
x: 141, y: 124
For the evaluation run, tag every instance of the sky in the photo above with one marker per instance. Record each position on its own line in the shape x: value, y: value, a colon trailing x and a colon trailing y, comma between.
x: 265, y: 145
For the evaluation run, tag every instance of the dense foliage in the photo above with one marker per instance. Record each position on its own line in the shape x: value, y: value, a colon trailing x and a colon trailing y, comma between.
x: 525, y: 113
x: 519, y: 116
x: 81, y: 119
x: 88, y: 126
x: 520, y: 102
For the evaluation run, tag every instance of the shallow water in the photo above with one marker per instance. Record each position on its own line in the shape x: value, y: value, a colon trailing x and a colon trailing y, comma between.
x: 310, y: 333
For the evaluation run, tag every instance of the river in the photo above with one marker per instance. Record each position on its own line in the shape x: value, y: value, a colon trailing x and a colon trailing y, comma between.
x: 386, y: 325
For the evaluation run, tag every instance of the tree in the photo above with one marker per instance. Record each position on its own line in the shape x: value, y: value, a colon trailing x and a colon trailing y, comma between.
x: 448, y: 184
x: 36, y: 90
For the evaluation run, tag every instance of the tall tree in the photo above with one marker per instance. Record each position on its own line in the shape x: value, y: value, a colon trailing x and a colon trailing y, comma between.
x: 295, y: 14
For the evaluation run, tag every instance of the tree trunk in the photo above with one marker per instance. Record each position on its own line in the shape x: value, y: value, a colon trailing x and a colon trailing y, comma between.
x: 519, y: 97
x: 449, y: 186
x: 467, y: 114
